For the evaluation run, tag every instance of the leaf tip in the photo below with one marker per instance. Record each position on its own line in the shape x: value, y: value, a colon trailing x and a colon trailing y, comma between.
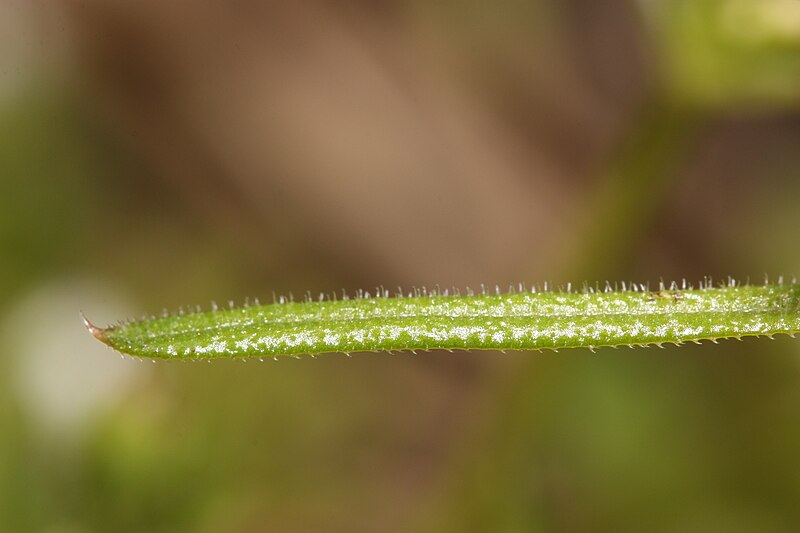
x: 97, y: 333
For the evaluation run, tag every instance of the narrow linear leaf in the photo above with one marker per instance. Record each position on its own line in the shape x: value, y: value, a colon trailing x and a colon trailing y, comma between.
x: 515, y: 321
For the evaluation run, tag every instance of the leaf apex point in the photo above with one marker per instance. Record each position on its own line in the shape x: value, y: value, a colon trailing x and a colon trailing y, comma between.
x: 97, y: 333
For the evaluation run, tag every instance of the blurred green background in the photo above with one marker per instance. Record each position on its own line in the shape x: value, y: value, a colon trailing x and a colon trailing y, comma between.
x: 161, y: 154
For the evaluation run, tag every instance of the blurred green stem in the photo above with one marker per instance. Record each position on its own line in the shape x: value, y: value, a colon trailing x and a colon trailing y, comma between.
x: 495, y: 483
x: 633, y: 188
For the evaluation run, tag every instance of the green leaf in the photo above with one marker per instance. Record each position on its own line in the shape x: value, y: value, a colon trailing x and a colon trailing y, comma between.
x: 524, y: 320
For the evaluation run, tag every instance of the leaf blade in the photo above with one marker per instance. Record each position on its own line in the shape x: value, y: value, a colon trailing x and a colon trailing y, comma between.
x: 517, y: 321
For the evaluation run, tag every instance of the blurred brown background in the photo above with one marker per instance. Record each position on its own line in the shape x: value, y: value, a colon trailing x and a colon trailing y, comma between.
x: 159, y: 154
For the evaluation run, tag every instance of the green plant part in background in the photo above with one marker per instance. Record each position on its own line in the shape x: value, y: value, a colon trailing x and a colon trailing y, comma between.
x: 525, y: 320
x: 725, y: 53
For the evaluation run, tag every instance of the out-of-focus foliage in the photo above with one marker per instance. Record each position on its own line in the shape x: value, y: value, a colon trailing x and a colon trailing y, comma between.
x: 730, y: 52
x: 160, y: 154
x: 46, y: 183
